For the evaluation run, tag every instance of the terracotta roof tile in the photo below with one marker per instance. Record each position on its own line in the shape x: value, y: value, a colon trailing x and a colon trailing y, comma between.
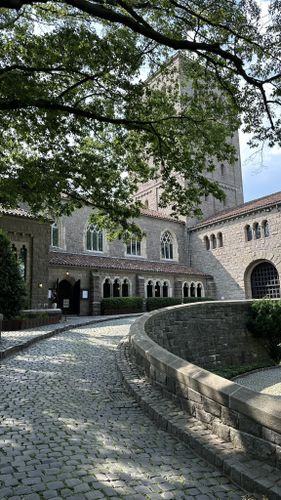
x: 98, y: 262
x: 250, y: 206
x: 159, y: 215
x: 18, y: 212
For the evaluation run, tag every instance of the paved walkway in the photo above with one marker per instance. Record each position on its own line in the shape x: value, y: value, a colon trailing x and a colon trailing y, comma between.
x: 266, y: 381
x: 70, y: 431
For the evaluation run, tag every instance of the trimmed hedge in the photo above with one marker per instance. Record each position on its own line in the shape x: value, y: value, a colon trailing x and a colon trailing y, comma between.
x: 153, y: 303
x: 121, y: 305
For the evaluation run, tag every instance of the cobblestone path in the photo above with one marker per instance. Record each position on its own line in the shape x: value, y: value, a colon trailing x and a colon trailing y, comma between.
x: 68, y: 429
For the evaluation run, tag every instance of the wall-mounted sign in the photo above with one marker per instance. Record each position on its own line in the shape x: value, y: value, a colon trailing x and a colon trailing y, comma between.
x: 85, y: 294
x: 65, y: 303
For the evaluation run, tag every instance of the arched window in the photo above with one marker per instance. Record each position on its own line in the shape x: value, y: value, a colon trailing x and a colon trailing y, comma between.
x: 207, y: 242
x: 199, y: 290
x: 257, y: 231
x: 116, y: 288
x: 265, y: 281
x: 149, y: 289
x: 134, y: 247
x: 222, y: 170
x: 192, y: 290
x: 107, y: 288
x: 23, y: 261
x: 167, y: 246
x: 220, y: 240
x: 125, y: 288
x: 157, y: 289
x: 54, y: 235
x: 165, y: 289
x: 94, y: 239
x: 248, y: 233
x: 185, y: 290
x: 146, y: 203
x: 265, y: 227
x: 213, y: 241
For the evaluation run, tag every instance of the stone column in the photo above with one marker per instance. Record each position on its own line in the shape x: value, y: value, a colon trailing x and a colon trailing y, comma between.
x: 178, y: 289
x: 95, y: 294
x: 140, y: 291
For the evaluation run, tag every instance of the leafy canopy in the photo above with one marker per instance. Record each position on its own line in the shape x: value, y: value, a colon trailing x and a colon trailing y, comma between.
x: 78, y: 124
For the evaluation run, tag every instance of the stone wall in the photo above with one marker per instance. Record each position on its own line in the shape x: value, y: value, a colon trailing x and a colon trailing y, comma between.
x: 35, y: 236
x: 232, y: 264
x: 250, y: 421
x: 208, y: 334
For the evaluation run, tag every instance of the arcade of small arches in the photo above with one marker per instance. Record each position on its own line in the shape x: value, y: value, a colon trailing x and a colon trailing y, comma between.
x: 213, y: 241
x: 192, y: 290
x: 257, y: 231
x: 157, y: 288
x: 116, y: 288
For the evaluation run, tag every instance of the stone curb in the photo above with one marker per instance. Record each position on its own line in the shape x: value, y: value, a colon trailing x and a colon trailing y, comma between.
x: 45, y: 335
x: 251, y: 475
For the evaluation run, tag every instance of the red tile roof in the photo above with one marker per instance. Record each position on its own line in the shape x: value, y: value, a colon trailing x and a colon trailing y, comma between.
x: 97, y: 262
x: 17, y: 212
x: 159, y: 215
x: 250, y: 206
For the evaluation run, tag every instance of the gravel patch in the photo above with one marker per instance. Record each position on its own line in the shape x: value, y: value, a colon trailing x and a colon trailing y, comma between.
x: 266, y: 381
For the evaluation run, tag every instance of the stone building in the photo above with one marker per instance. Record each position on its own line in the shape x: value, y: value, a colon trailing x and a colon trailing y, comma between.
x: 30, y: 238
x: 84, y: 267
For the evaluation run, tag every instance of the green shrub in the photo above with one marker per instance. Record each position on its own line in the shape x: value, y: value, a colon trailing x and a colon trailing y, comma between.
x: 122, y: 304
x: 153, y: 303
x: 12, y: 287
x: 265, y: 324
x: 233, y: 371
x: 159, y: 302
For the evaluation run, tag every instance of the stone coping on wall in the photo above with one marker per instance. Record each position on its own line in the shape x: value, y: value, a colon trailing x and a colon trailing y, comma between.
x: 253, y: 417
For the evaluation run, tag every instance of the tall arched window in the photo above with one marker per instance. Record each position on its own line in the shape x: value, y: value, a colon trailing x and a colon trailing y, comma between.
x: 199, y: 290
x: 207, y: 242
x: 23, y: 261
x: 185, y: 290
x: 157, y: 289
x: 165, y: 289
x: 220, y: 240
x: 257, y: 231
x: 213, y: 241
x: 125, y: 288
x: 265, y: 227
x: 107, y: 288
x: 134, y: 247
x: 116, y: 288
x: 248, y: 233
x: 167, y: 246
x: 94, y: 239
x: 54, y: 235
x: 149, y: 289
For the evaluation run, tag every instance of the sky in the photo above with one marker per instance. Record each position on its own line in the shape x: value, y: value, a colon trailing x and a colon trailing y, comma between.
x: 261, y: 170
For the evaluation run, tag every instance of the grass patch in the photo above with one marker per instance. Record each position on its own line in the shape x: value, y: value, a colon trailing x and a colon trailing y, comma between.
x: 229, y: 372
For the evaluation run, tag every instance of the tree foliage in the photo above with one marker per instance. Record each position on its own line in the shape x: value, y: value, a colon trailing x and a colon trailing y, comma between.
x: 12, y: 287
x: 80, y: 126
x: 265, y: 324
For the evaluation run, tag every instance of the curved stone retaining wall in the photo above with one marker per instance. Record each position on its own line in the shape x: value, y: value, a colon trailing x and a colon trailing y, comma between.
x: 250, y: 421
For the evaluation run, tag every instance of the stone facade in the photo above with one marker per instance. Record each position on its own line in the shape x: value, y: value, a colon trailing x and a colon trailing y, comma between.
x: 28, y: 233
x: 232, y: 264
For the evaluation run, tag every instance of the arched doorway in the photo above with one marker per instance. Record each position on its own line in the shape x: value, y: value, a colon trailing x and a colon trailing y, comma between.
x: 265, y: 281
x: 67, y: 290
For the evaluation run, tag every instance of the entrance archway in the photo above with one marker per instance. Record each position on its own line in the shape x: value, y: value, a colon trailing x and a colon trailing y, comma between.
x: 265, y: 281
x: 69, y: 291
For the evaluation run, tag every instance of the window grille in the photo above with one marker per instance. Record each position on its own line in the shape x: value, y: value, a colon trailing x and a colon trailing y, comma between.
x: 167, y: 246
x: 94, y: 239
x: 265, y: 281
x: 134, y: 247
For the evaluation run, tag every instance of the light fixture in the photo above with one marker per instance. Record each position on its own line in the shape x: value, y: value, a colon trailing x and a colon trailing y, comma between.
x: 67, y: 273
x: 40, y: 285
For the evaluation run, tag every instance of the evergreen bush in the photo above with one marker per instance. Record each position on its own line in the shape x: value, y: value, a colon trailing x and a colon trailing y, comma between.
x: 265, y: 324
x: 122, y: 304
x: 12, y: 287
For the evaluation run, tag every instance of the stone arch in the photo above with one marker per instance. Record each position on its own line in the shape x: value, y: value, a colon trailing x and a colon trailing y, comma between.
x: 106, y: 288
x: 261, y: 279
x: 185, y: 290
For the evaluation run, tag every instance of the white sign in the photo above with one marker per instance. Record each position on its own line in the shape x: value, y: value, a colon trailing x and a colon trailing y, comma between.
x: 65, y: 303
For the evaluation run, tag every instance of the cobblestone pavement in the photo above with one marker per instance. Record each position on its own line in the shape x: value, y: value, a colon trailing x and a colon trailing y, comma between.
x: 68, y: 429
